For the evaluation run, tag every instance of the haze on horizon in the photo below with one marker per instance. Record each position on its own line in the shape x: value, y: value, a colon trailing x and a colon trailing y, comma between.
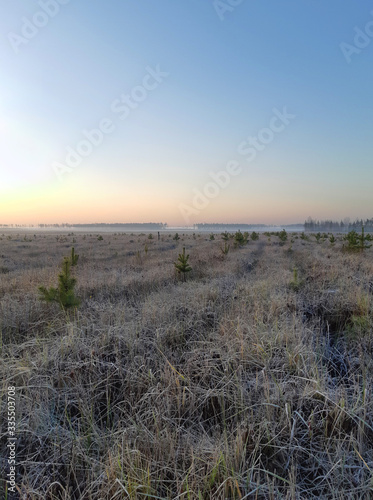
x: 185, y: 112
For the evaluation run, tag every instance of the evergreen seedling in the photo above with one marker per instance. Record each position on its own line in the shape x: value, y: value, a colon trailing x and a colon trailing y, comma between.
x: 356, y: 241
x: 295, y: 284
x: 225, y: 249
x: 363, y: 239
x: 240, y: 239
x: 74, y: 257
x: 64, y: 295
x: 283, y: 235
x: 182, y: 264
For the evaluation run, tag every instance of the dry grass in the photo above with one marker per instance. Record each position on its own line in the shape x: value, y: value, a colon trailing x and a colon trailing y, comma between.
x: 240, y: 383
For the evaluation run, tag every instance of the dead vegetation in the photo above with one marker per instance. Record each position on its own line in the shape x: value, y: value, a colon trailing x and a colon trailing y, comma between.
x: 235, y: 384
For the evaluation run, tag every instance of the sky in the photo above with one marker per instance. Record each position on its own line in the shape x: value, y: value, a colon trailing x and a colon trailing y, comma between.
x: 185, y: 111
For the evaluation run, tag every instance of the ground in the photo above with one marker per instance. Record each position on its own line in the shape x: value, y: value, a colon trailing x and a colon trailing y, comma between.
x: 252, y: 379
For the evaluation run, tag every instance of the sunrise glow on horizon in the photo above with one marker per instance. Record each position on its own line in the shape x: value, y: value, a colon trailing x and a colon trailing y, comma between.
x: 185, y: 112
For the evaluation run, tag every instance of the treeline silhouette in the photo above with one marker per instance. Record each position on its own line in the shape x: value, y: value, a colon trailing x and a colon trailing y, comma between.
x: 129, y: 225
x: 344, y: 226
x: 222, y: 227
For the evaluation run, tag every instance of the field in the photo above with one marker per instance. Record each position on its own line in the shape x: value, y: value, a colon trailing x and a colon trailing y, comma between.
x: 251, y: 379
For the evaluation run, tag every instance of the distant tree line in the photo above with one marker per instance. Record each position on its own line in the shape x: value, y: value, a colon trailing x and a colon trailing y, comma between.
x: 231, y: 227
x: 344, y: 226
x: 130, y: 225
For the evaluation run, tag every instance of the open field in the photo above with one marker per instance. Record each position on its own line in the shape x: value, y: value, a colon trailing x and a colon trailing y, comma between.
x: 253, y: 379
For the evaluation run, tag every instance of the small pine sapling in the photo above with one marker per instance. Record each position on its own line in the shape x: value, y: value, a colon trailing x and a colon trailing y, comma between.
x: 283, y: 236
x: 225, y: 249
x: 332, y: 239
x: 74, y: 257
x: 240, y: 239
x: 363, y: 239
x: 176, y: 237
x: 64, y: 295
x: 296, y: 283
x: 182, y: 264
x: 254, y: 236
x: 356, y: 241
x: 318, y: 237
x: 212, y: 237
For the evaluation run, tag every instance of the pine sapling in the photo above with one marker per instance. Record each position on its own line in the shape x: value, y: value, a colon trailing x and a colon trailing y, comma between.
x: 182, y: 264
x: 74, y: 257
x: 240, y: 239
x: 64, y: 295
x: 283, y: 236
x: 225, y: 249
x: 356, y: 241
x: 363, y: 239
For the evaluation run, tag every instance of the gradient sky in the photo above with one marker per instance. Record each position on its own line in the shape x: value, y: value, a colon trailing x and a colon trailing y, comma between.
x: 226, y: 74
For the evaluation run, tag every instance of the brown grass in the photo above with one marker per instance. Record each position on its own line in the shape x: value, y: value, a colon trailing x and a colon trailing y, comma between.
x: 236, y: 384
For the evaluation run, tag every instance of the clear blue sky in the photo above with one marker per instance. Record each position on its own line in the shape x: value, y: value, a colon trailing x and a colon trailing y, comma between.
x: 221, y: 78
